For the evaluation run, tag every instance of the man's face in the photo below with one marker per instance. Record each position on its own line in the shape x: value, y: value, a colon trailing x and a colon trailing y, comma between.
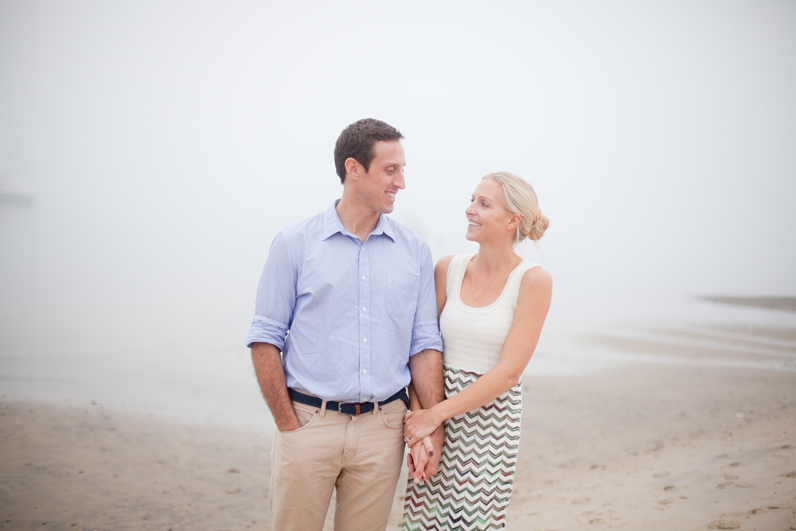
x: 380, y: 184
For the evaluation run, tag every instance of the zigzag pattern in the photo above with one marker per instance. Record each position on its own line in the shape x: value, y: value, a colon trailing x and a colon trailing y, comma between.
x: 476, y: 477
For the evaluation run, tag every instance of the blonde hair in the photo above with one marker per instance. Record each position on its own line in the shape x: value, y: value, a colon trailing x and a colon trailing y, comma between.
x: 519, y: 198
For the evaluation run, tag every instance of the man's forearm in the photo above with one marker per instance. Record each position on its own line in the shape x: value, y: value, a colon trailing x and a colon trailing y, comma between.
x: 267, y: 362
x: 428, y: 382
x: 429, y: 386
x: 427, y: 379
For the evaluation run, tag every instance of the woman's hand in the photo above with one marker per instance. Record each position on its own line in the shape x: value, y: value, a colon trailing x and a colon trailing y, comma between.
x: 419, y: 424
x: 417, y: 458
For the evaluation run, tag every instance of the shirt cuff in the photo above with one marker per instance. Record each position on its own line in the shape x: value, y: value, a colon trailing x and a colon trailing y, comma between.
x: 425, y: 339
x: 265, y: 330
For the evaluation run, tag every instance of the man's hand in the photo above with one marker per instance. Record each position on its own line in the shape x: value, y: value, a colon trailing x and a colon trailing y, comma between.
x: 417, y: 460
x: 436, y: 440
x: 267, y: 361
x: 289, y: 426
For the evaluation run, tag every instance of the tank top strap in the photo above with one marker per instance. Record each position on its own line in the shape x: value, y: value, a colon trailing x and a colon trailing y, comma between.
x: 516, y: 278
x: 512, y: 290
x: 455, y: 275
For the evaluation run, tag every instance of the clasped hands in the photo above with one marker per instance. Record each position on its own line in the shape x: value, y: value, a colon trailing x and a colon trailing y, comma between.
x: 422, y: 461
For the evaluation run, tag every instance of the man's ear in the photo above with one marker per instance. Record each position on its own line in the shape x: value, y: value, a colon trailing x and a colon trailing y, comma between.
x: 352, y: 168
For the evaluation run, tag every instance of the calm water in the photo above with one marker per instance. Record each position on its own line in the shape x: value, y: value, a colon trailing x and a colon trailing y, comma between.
x: 102, y: 305
x: 186, y: 359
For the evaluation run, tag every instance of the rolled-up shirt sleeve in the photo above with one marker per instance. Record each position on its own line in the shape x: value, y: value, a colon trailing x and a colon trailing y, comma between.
x: 276, y: 297
x: 425, y: 331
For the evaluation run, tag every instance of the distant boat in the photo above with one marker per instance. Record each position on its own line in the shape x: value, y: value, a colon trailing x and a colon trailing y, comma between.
x: 13, y: 193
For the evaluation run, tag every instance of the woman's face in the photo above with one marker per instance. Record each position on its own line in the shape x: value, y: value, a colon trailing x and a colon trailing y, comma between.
x: 487, y: 218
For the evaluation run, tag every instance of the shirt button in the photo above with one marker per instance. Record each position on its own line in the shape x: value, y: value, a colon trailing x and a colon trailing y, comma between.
x: 364, y: 340
x: 364, y: 309
x: 363, y: 277
x: 364, y: 371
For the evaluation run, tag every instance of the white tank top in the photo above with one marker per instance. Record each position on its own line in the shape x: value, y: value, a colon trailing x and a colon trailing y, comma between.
x: 473, y: 337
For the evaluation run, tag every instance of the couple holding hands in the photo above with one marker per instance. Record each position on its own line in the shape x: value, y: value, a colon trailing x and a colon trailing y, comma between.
x: 348, y: 332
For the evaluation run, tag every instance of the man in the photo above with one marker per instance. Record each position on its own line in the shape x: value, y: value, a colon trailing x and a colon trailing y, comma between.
x: 347, y: 298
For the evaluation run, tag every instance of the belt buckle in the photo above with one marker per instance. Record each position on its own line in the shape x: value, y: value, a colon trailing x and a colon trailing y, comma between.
x: 356, y: 405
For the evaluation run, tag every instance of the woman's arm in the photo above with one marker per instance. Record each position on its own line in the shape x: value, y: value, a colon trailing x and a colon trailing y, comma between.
x: 533, y: 303
x: 440, y: 281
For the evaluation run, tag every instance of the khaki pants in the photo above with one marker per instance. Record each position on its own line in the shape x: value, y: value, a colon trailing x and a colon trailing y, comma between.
x: 360, y: 456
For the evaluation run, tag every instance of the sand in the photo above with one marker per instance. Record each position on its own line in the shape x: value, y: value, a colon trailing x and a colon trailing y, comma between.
x: 786, y: 304
x: 676, y: 445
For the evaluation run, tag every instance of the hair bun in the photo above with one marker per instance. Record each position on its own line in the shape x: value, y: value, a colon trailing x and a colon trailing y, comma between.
x: 539, y: 226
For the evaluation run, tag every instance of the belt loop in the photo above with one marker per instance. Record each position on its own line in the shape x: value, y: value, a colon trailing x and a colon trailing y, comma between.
x: 323, y: 408
x: 376, y: 408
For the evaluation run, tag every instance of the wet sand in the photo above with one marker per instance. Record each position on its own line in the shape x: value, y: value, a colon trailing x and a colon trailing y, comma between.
x: 679, y: 445
x: 784, y: 304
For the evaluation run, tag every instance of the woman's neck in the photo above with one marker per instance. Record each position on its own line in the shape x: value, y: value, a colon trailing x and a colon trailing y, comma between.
x: 496, y: 258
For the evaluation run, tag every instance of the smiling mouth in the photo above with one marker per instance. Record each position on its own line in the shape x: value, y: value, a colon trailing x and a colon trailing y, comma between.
x: 474, y: 224
x: 391, y: 194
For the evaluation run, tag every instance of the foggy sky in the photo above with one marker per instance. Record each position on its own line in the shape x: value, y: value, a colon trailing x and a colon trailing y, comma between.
x: 165, y: 143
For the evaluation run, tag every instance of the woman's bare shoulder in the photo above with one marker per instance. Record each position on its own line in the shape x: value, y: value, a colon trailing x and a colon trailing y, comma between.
x: 536, y: 278
x: 442, y: 264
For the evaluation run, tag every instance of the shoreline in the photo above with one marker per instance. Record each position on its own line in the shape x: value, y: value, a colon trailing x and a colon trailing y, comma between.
x: 689, y: 429
x: 643, y: 446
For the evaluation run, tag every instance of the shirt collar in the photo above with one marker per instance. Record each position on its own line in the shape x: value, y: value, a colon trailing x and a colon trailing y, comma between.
x: 332, y: 224
x: 383, y: 226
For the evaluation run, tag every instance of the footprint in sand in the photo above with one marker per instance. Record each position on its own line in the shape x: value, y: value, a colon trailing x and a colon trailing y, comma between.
x: 724, y: 524
x: 762, y: 510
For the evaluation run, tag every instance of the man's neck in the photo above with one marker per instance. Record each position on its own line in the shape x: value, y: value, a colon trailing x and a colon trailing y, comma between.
x: 355, y: 219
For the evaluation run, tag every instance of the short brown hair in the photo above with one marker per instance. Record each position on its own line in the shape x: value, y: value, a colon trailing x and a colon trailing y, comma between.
x: 358, y: 140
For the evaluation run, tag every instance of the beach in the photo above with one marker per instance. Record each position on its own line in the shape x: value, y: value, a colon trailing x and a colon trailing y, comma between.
x: 151, y: 154
x: 686, y: 438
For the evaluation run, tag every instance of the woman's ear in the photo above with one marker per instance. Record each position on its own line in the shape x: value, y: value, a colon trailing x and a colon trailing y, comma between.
x: 514, y: 222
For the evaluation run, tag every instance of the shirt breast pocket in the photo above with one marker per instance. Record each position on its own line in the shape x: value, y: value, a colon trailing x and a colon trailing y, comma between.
x: 402, y: 294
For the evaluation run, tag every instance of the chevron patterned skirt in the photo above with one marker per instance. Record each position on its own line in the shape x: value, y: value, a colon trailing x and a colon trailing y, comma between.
x: 476, y: 473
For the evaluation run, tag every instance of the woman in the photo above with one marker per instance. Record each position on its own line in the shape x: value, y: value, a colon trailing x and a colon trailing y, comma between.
x: 491, y: 308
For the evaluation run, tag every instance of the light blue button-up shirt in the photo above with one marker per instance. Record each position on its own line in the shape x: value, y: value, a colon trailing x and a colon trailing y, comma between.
x: 347, y: 315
